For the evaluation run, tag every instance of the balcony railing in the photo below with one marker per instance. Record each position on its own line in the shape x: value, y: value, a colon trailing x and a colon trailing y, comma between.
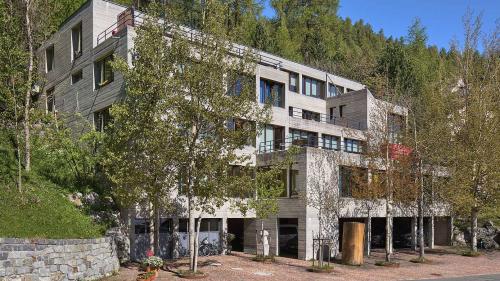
x: 131, y: 17
x: 322, y: 143
x: 326, y: 118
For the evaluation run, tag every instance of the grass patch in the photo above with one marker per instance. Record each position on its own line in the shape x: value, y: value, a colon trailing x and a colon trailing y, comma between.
x: 471, y: 254
x: 42, y: 210
x: 387, y: 263
x: 261, y: 258
x: 189, y: 274
x: 320, y: 269
x: 421, y: 260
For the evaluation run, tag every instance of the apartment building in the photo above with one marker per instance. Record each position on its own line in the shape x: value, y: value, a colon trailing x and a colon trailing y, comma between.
x: 325, y: 114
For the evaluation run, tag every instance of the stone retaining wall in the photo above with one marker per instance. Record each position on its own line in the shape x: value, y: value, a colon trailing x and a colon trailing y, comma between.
x: 57, y: 259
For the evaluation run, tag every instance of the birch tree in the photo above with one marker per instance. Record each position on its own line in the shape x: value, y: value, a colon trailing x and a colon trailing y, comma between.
x: 473, y: 149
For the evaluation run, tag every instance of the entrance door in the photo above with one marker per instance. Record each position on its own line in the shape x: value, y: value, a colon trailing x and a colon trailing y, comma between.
x: 288, y: 237
x: 236, y: 227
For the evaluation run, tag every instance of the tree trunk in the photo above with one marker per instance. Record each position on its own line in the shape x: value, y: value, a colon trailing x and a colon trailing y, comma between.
x: 191, y: 236
x: 18, y: 143
x: 369, y: 234
x: 197, y: 247
x: 388, y: 232
x: 156, y: 239
x: 27, y: 102
x: 473, y: 230
x: 414, y: 232
x: 421, y: 240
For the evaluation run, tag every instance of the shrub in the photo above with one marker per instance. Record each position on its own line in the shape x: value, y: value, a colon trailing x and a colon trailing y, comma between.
x: 153, y: 261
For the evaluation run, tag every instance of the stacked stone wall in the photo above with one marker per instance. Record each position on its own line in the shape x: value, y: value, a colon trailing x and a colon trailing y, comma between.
x: 57, y: 259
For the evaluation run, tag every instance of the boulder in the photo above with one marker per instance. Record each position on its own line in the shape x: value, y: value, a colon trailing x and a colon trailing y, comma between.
x: 122, y: 243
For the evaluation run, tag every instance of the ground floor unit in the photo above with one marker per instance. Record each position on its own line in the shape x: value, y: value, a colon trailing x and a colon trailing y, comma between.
x: 288, y: 236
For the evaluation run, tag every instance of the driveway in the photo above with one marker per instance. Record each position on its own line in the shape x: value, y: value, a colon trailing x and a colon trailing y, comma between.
x: 239, y: 266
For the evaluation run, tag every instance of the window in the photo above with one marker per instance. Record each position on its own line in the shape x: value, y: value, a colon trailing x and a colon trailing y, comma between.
x: 183, y: 225
x: 354, y: 146
x: 166, y: 226
x: 51, y: 100
x: 271, y: 138
x: 304, y: 138
x: 341, y: 110
x: 76, y: 41
x: 310, y: 115
x: 142, y: 227
x: 332, y: 90
x: 77, y: 76
x: 395, y: 126
x: 330, y: 142
x: 49, y: 58
x: 352, y: 178
x: 245, y: 126
x: 349, y: 90
x: 312, y: 87
x: 236, y: 85
x: 294, y: 82
x: 101, y: 119
x: 103, y: 72
x: 290, y: 111
x: 208, y: 225
x: 293, y: 182
x: 271, y: 91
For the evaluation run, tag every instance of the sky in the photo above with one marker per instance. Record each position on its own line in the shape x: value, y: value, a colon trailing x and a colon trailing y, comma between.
x: 441, y: 18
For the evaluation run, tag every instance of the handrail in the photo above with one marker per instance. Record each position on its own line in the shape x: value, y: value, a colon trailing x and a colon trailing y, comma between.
x: 309, y: 141
x: 195, y: 36
x: 296, y: 112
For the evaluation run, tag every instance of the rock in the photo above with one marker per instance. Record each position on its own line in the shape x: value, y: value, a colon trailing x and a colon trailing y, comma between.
x: 76, y: 198
x: 122, y: 242
x: 458, y: 238
x: 91, y: 198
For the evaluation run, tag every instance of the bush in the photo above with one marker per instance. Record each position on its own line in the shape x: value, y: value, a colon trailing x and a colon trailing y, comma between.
x: 153, y: 262
x: 261, y: 258
x: 320, y: 269
x: 471, y: 254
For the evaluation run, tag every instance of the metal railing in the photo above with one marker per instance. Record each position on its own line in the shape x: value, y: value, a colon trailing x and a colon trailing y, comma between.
x: 316, y: 142
x: 326, y: 118
x: 134, y: 18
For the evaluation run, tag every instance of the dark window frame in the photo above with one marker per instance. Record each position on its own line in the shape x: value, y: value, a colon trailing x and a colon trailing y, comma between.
x: 267, y: 87
x: 292, y: 88
x: 101, y: 119
x: 50, y: 58
x: 320, y: 85
x: 77, y: 33
x: 103, y: 71
x: 76, y: 76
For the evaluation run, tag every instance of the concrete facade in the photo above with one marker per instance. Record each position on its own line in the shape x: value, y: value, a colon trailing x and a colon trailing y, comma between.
x: 332, y: 125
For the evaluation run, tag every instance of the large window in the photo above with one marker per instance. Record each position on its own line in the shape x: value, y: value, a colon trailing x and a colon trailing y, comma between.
x: 241, y: 125
x: 271, y: 91
x: 330, y: 142
x: 334, y: 90
x: 238, y: 83
x: 354, y: 146
x: 292, y: 182
x: 76, y: 41
x: 304, y: 138
x: 311, y: 115
x: 395, y: 126
x: 101, y: 119
x: 312, y: 87
x: 351, y: 178
x: 294, y: 82
x: 103, y: 71
x: 49, y: 58
x: 271, y: 138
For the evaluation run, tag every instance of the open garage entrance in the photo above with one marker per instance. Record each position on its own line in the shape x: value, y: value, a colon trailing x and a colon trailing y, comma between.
x: 378, y: 233
x: 401, y: 232
x: 236, y: 227
x: 288, y: 238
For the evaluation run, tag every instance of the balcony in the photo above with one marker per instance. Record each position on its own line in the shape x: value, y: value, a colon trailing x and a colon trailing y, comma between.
x: 324, y: 118
x: 321, y: 143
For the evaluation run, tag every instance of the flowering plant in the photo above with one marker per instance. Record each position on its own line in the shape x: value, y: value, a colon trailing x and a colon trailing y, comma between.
x: 153, y: 261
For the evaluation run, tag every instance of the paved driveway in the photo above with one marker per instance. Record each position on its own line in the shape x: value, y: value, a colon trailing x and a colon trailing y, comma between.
x: 492, y: 277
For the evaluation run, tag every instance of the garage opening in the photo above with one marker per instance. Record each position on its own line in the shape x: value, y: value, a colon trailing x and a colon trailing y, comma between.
x: 378, y: 233
x: 401, y: 232
x: 236, y: 227
x: 288, y: 237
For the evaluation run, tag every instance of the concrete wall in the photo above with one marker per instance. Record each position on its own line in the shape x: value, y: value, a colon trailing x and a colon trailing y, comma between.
x: 51, y: 259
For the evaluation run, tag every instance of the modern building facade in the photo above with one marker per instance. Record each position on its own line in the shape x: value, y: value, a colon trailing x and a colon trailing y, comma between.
x: 327, y: 115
